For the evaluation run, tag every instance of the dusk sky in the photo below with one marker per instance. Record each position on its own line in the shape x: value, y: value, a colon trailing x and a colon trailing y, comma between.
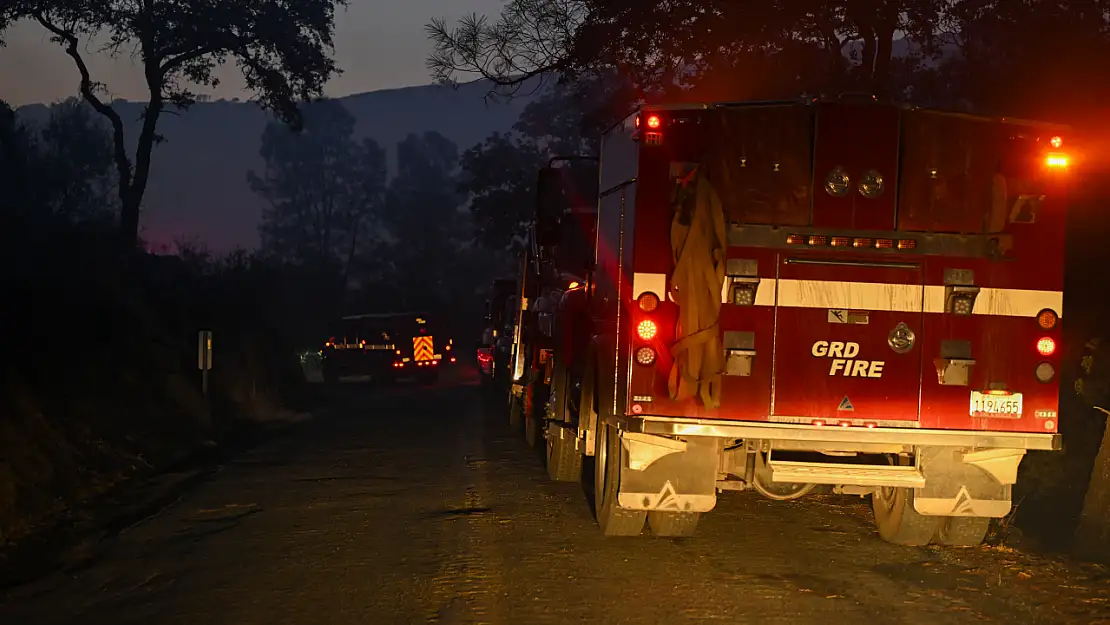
x: 379, y: 44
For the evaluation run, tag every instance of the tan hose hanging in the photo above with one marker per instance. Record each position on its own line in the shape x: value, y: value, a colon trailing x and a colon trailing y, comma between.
x: 699, y: 242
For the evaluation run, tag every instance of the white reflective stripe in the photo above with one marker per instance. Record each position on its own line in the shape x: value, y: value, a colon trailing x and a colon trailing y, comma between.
x: 871, y: 296
x: 1002, y: 302
x: 875, y: 296
x: 653, y: 282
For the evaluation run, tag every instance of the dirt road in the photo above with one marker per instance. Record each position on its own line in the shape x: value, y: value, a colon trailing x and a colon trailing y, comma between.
x: 415, y: 505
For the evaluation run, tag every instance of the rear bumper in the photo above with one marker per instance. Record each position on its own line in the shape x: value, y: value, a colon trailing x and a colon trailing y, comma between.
x: 671, y: 426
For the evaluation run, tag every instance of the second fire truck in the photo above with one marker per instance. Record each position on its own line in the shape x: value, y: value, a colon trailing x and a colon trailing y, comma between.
x: 851, y: 294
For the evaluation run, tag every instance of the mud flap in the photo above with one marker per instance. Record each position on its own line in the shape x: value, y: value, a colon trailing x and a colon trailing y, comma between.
x: 960, y: 483
x: 670, y: 475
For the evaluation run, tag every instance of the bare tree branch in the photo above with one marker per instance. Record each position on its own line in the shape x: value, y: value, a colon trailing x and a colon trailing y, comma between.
x: 530, y: 39
x: 88, y: 90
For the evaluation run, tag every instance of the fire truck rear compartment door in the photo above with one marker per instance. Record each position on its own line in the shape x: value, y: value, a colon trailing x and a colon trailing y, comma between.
x: 846, y: 341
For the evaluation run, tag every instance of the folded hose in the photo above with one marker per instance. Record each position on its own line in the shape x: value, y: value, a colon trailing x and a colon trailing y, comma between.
x: 698, y: 242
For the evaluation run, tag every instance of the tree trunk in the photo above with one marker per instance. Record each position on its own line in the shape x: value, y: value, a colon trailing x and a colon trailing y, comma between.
x: 1092, y: 538
x: 884, y: 50
x: 350, y: 254
x: 129, y: 219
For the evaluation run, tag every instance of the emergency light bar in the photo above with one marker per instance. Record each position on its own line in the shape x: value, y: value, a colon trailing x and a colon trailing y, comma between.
x: 820, y: 240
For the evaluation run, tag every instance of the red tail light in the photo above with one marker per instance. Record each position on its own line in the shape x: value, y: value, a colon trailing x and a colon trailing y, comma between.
x: 653, y: 121
x: 647, y: 329
x: 1046, y: 346
x: 648, y: 302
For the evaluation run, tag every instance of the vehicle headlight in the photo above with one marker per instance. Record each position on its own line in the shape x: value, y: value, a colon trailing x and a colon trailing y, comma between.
x: 871, y: 184
x: 838, y: 183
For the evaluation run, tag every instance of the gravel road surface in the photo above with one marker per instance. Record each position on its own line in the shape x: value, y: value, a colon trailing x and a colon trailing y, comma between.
x: 417, y: 504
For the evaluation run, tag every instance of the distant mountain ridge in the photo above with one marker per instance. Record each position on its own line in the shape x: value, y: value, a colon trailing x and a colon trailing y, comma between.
x: 198, y: 187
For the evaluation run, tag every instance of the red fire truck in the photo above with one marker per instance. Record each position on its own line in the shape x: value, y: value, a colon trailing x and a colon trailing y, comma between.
x: 855, y: 295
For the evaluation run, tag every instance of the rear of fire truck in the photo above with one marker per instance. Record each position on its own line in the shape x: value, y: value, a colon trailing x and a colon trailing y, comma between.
x: 422, y: 347
x: 845, y: 295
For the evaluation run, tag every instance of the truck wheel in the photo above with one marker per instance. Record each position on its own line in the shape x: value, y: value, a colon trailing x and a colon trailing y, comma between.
x: 897, y: 520
x: 963, y: 531
x: 609, y: 457
x: 673, y: 524
x: 564, y: 463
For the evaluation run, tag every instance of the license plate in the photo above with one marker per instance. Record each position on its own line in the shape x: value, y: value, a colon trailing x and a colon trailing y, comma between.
x: 995, y: 406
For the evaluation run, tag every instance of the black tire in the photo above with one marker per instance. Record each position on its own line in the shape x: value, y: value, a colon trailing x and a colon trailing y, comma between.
x: 609, y: 457
x: 673, y: 524
x: 897, y: 520
x: 962, y: 531
x: 564, y: 463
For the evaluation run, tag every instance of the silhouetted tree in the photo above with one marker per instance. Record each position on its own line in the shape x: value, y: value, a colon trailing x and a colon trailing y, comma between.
x: 323, y: 187
x: 427, y: 230
x: 742, y: 49
x: 1036, y: 59
x: 75, y: 157
x: 16, y: 203
x: 58, y: 171
x: 499, y: 174
x: 283, y: 52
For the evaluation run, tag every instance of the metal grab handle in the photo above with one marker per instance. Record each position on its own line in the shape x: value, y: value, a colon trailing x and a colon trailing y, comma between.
x: 852, y: 263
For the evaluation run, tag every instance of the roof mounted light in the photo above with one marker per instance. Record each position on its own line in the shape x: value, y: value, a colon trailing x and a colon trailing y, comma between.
x: 1056, y: 160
